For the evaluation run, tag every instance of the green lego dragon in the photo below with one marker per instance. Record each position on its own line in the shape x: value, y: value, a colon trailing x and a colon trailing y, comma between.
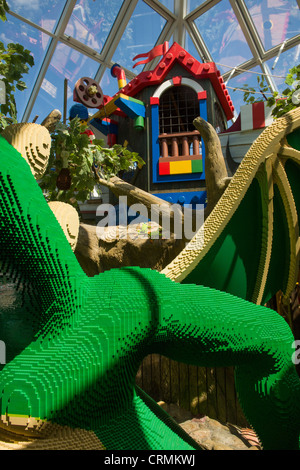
x: 75, y: 363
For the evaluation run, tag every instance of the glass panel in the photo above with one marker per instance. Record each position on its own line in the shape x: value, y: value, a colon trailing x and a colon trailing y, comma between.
x: 140, y: 35
x: 275, y: 20
x: 66, y: 63
x: 15, y: 31
x: 239, y: 82
x: 45, y: 14
x: 91, y: 21
x: 168, y: 3
x: 285, y: 62
x: 109, y: 84
x: 223, y: 35
x: 193, y: 4
x: 190, y: 47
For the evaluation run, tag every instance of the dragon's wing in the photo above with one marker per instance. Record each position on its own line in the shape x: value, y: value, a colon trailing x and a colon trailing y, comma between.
x: 249, y: 245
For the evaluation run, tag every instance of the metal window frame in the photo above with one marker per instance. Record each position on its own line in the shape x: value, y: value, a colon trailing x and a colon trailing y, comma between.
x: 178, y: 24
x: 115, y: 36
x: 60, y: 27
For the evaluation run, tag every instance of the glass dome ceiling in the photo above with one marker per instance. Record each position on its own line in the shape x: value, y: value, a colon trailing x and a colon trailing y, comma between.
x: 71, y: 39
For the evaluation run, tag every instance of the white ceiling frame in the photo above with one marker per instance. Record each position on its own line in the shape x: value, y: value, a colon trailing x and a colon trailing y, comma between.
x: 164, y: 36
x: 272, y: 53
x: 201, y: 9
x: 250, y: 33
x: 59, y: 30
x: 119, y: 27
x: 115, y: 36
x: 30, y: 23
x: 80, y: 47
x: 198, y: 41
x: 178, y: 24
x: 247, y: 26
x: 167, y: 30
x: 161, y: 9
x: 180, y: 12
x: 290, y: 43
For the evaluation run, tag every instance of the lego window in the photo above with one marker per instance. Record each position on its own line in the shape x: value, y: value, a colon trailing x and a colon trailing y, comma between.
x: 178, y: 146
x: 178, y: 108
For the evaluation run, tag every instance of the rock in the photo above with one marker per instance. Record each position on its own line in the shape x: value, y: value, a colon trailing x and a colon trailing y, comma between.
x: 116, y: 249
x: 210, y: 433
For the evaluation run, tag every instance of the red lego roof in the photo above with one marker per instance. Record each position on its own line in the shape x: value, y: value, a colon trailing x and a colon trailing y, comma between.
x: 197, y: 70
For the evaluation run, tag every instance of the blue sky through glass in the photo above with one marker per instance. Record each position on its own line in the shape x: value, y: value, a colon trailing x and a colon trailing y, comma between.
x: 223, y: 35
x: 168, y: 3
x: 91, y: 21
x: 16, y: 31
x: 109, y: 84
x: 192, y: 4
x: 239, y: 82
x: 44, y: 14
x: 275, y: 20
x: 140, y: 35
x: 65, y: 63
x: 285, y: 62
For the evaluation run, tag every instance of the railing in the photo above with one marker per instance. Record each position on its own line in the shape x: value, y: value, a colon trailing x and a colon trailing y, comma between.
x: 202, y: 390
x: 180, y: 145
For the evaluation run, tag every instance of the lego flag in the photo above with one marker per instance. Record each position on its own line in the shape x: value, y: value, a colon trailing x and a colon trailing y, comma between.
x: 155, y: 52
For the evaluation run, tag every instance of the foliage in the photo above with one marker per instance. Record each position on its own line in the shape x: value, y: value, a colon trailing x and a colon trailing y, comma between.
x: 251, y: 95
x: 281, y: 104
x: 146, y: 230
x: 14, y: 63
x: 71, y: 148
x: 3, y: 9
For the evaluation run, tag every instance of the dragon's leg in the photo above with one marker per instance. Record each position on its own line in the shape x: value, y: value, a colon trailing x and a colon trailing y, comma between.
x: 83, y: 375
x: 210, y: 328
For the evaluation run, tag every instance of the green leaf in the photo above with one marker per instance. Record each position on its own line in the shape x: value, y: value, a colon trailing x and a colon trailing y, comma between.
x: 21, y: 85
x: 3, y: 9
x: 286, y: 92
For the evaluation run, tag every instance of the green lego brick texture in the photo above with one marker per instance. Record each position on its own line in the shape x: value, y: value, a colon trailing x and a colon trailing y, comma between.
x: 91, y: 334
